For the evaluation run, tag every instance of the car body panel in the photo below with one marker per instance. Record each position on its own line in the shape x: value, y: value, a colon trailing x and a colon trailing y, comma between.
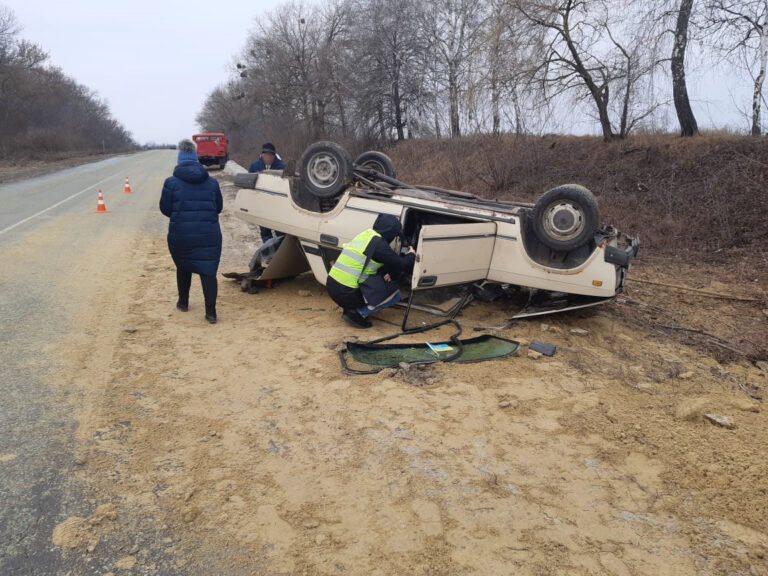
x: 289, y: 260
x: 511, y: 264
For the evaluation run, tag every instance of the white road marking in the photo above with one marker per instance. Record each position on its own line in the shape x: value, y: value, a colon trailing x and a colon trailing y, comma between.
x: 59, y: 203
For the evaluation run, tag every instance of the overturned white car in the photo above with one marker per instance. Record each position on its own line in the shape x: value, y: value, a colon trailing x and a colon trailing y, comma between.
x: 555, y: 250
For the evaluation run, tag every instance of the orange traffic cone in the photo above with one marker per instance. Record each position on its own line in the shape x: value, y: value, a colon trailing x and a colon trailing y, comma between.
x: 127, y: 189
x: 100, y: 206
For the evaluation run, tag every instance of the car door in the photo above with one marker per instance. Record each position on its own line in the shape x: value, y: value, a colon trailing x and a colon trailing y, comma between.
x: 453, y: 254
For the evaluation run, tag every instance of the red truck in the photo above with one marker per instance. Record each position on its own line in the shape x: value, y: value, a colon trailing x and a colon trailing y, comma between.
x: 211, y: 149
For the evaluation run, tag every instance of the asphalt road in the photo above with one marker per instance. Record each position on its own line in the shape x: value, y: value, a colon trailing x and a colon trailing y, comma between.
x: 57, y: 258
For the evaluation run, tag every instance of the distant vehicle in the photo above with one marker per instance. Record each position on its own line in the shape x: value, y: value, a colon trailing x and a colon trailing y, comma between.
x: 211, y: 149
x: 555, y: 249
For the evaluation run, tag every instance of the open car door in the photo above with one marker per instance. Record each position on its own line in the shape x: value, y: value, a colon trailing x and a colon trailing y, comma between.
x: 453, y: 254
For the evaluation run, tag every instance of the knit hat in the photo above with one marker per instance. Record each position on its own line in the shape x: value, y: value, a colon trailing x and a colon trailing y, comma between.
x: 269, y: 148
x: 187, y: 151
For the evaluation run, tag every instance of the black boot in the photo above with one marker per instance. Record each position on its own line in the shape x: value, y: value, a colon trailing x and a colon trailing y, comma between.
x: 183, y: 281
x: 353, y: 318
x: 210, y: 290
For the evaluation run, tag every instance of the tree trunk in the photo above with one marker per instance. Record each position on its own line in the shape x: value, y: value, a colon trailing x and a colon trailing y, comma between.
x: 340, y: 103
x: 495, y: 66
x: 453, y: 96
x: 600, y: 94
x: 408, y: 134
x: 342, y: 114
x: 602, y: 99
x: 321, y: 118
x: 624, y: 129
x: 397, y: 102
x: 318, y: 119
x: 688, y: 126
x: 495, y: 100
x: 382, y: 124
x: 757, y: 93
x: 519, y: 129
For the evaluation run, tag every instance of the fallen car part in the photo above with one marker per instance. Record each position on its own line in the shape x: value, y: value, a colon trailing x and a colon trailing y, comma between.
x: 485, y: 347
x: 374, y: 353
x: 543, y: 302
x: 279, y: 257
x: 264, y: 254
x: 537, y: 302
x: 446, y: 301
x: 248, y: 281
x: 456, y: 307
x: 542, y: 347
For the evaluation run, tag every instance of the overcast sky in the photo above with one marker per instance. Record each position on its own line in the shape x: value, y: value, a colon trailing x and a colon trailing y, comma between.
x: 155, y: 62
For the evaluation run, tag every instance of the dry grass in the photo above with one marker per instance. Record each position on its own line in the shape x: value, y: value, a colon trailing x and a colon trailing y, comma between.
x: 702, y: 195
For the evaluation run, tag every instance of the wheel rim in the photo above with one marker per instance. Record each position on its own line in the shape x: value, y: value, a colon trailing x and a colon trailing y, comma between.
x: 323, y: 170
x: 563, y: 220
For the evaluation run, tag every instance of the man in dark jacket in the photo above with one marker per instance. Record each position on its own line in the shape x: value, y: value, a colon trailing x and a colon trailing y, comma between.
x: 369, y: 254
x: 269, y: 160
x: 193, y: 202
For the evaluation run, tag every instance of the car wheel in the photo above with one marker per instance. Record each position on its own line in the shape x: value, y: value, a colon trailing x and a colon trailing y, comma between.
x: 377, y: 161
x: 326, y: 169
x: 565, y: 217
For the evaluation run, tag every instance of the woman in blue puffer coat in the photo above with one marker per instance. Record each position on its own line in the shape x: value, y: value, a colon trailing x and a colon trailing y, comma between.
x: 193, y: 202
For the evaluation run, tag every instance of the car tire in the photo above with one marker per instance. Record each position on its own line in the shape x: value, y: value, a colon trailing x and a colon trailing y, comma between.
x: 566, y: 217
x: 377, y: 161
x: 326, y: 169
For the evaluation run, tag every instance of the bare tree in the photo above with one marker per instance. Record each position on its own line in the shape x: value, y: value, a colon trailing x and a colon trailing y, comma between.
x: 510, y: 52
x: 386, y: 57
x: 16, y: 54
x: 592, y: 48
x: 685, y: 117
x: 9, y: 29
x: 293, y: 66
x: 741, y: 32
x: 42, y: 109
x: 333, y: 63
x: 499, y: 46
x: 453, y: 27
x: 224, y: 110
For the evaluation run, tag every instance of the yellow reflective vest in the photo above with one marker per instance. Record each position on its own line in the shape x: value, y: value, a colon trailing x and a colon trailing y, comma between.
x: 348, y: 269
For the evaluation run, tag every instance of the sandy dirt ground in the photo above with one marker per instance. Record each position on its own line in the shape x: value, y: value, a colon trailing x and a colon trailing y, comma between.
x: 248, y: 443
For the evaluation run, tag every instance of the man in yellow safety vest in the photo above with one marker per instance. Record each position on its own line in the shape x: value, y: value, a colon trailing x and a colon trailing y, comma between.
x: 369, y: 259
